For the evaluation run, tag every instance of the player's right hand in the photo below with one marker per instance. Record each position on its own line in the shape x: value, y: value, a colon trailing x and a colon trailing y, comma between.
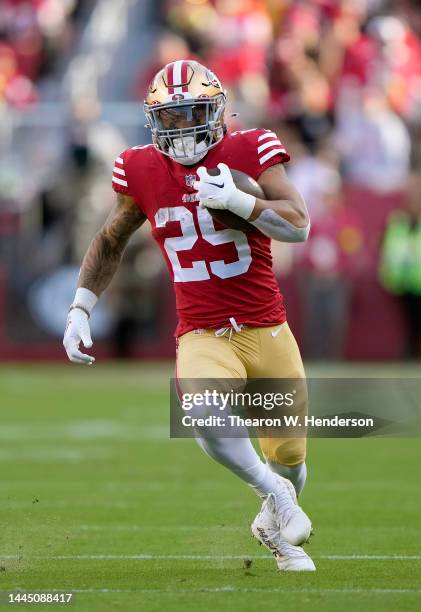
x: 77, y: 331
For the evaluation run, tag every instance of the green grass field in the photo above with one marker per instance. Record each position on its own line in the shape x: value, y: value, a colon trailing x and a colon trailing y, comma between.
x: 96, y: 499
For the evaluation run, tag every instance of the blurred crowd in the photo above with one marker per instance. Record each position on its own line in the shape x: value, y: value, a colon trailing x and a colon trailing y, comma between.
x: 338, y: 80
x: 34, y: 36
x: 342, y: 71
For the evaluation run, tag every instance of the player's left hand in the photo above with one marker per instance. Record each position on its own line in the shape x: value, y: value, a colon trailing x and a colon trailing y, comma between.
x: 215, y: 191
x: 220, y: 192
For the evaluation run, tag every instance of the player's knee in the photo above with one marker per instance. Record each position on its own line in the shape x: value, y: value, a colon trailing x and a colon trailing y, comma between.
x: 289, y: 452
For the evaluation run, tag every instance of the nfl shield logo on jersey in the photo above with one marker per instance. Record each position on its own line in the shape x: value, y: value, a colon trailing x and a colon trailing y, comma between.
x: 190, y: 179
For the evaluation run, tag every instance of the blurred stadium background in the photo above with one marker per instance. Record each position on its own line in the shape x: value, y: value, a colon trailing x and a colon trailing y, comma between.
x: 340, y: 81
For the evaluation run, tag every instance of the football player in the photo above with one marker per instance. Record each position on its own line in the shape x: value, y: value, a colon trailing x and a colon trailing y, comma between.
x: 223, y: 278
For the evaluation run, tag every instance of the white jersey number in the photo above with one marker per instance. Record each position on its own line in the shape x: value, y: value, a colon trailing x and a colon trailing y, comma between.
x: 185, y: 242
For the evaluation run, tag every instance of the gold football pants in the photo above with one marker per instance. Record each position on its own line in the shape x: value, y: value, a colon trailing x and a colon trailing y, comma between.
x: 258, y: 352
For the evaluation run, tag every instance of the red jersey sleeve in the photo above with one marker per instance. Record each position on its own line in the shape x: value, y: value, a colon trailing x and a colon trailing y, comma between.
x: 119, y: 179
x: 261, y: 149
x: 128, y: 175
x: 270, y: 150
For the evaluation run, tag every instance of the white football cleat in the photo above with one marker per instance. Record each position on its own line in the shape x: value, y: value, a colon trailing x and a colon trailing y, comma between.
x: 291, y: 520
x: 265, y: 529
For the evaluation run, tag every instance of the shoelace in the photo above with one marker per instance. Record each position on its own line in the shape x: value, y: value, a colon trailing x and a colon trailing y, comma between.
x: 285, y: 506
x: 233, y: 327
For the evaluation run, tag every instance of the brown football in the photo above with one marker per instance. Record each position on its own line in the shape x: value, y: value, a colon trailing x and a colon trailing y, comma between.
x: 244, y: 183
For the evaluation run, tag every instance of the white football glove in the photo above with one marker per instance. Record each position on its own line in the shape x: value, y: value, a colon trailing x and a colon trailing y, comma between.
x: 77, y: 328
x: 220, y: 192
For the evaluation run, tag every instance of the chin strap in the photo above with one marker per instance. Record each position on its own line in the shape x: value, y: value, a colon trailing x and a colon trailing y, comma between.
x: 182, y: 147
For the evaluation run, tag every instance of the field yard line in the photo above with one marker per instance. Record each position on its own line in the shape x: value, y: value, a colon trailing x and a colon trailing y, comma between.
x: 371, y: 557
x: 231, y: 589
x: 159, y: 527
x: 152, y: 557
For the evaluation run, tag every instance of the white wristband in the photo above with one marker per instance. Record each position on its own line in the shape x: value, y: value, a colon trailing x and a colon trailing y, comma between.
x: 242, y: 204
x: 85, y: 298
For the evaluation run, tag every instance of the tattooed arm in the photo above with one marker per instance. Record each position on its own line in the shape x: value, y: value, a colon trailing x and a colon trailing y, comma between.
x: 98, y: 268
x: 106, y: 249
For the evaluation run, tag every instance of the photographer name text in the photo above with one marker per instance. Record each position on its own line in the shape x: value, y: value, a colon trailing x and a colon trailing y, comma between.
x: 234, y: 420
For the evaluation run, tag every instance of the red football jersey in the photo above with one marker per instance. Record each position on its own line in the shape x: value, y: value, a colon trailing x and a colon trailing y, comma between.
x: 217, y: 272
